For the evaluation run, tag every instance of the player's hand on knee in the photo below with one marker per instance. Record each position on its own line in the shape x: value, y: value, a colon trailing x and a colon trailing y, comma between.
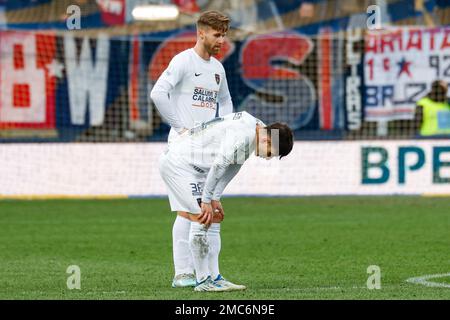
x: 217, y: 218
x: 217, y: 211
x: 217, y: 206
x: 207, y: 214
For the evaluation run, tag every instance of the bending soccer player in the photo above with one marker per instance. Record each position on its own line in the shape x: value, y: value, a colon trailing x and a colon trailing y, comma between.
x: 186, y: 94
x: 197, y: 167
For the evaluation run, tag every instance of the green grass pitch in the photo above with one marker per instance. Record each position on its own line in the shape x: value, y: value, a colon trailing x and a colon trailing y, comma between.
x: 281, y: 248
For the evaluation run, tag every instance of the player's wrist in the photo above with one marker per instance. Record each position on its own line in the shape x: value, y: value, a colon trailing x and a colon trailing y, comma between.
x: 206, y: 200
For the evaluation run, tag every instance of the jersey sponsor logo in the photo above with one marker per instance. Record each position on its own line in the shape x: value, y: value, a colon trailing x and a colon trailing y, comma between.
x: 217, y: 78
x: 197, y: 74
x: 205, y: 98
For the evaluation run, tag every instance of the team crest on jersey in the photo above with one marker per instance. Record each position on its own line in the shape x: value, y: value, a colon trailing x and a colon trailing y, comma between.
x: 217, y: 78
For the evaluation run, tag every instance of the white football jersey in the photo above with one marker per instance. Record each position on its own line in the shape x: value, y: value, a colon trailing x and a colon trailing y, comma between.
x: 201, y: 145
x: 196, y: 87
x: 216, y: 148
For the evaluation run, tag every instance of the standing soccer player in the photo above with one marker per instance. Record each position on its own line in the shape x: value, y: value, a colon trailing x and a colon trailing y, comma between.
x: 210, y: 155
x: 193, y: 89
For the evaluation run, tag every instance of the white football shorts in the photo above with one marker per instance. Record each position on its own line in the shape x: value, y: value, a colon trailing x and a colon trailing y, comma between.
x: 184, y: 184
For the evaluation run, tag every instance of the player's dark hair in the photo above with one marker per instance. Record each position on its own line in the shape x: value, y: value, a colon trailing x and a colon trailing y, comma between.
x: 285, y: 136
x: 214, y: 19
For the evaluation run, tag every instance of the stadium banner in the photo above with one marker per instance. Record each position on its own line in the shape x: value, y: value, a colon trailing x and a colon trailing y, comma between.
x: 405, y: 167
x: 354, y: 79
x: 399, y: 66
x: 66, y: 88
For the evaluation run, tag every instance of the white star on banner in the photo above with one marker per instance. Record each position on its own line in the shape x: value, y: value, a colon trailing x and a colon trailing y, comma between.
x: 55, y: 69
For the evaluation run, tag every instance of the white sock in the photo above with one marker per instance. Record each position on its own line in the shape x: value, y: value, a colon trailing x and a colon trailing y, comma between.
x: 198, y: 243
x: 182, y: 258
x: 214, y: 249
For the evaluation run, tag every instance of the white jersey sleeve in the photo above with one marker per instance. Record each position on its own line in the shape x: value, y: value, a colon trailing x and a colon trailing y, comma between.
x: 160, y: 93
x: 229, y: 174
x: 225, y: 102
x: 235, y: 149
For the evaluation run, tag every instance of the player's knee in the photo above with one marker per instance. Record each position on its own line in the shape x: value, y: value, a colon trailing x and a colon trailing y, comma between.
x: 185, y: 215
x: 217, y: 218
x: 190, y: 216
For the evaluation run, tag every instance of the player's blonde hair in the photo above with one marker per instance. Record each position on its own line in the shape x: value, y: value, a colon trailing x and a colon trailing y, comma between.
x: 214, y: 19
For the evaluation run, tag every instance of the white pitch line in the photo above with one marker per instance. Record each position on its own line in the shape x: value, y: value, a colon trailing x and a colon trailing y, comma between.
x: 311, y: 289
x: 103, y: 292
x: 424, y: 280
